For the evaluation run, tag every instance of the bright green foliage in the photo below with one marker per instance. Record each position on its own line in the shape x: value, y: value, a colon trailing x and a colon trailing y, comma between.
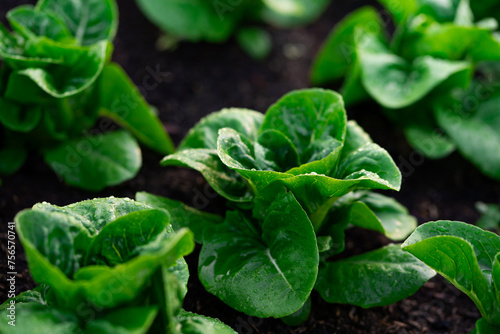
x: 57, y: 80
x: 469, y: 258
x: 216, y: 21
x: 106, y: 265
x: 298, y: 177
x: 434, y: 75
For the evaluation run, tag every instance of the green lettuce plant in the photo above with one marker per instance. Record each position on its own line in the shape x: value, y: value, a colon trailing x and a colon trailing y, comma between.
x: 107, y: 265
x: 295, y: 180
x: 469, y: 258
x: 436, y: 77
x: 56, y: 80
x: 216, y: 21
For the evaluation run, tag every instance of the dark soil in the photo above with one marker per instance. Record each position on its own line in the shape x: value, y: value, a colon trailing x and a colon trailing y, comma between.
x: 200, y: 78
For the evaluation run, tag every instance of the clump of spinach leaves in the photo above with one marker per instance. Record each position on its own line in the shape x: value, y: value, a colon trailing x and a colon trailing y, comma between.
x: 56, y: 80
x: 436, y: 77
x: 107, y: 265
x: 216, y: 21
x: 295, y: 180
x: 469, y: 258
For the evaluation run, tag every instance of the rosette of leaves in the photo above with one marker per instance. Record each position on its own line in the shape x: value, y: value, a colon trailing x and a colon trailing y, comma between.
x: 469, y: 258
x: 434, y: 77
x: 56, y: 80
x: 216, y: 21
x: 106, y: 265
x: 295, y: 179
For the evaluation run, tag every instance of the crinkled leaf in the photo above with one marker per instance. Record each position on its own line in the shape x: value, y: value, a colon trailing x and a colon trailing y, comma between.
x: 377, y: 278
x: 35, y: 296
x: 260, y: 270
x: 225, y: 181
x: 96, y: 213
x: 120, y: 100
x: 55, y: 251
x: 90, y: 21
x: 238, y: 153
x: 182, y: 215
x: 370, y: 162
x: 96, y: 162
x: 30, y: 23
x: 79, y: 68
x: 57, y: 244
x: 314, y: 120
x: 204, y: 134
x: 463, y: 254
x: 119, y: 241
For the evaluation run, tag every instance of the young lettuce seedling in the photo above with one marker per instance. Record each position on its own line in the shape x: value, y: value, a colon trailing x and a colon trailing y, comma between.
x: 469, y: 258
x: 424, y: 77
x: 56, y: 80
x: 216, y: 21
x: 106, y: 265
x: 295, y: 179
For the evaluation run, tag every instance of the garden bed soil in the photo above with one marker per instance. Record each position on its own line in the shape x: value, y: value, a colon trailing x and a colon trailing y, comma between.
x: 197, y: 79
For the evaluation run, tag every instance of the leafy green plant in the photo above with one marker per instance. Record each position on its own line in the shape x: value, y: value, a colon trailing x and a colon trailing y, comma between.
x: 107, y: 265
x: 215, y: 21
x: 295, y: 180
x: 436, y: 78
x: 469, y: 258
x: 56, y: 80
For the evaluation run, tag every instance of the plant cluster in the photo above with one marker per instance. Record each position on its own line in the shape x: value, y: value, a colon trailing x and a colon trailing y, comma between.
x: 107, y: 265
x: 436, y: 78
x: 295, y: 180
x: 216, y: 21
x: 56, y: 81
